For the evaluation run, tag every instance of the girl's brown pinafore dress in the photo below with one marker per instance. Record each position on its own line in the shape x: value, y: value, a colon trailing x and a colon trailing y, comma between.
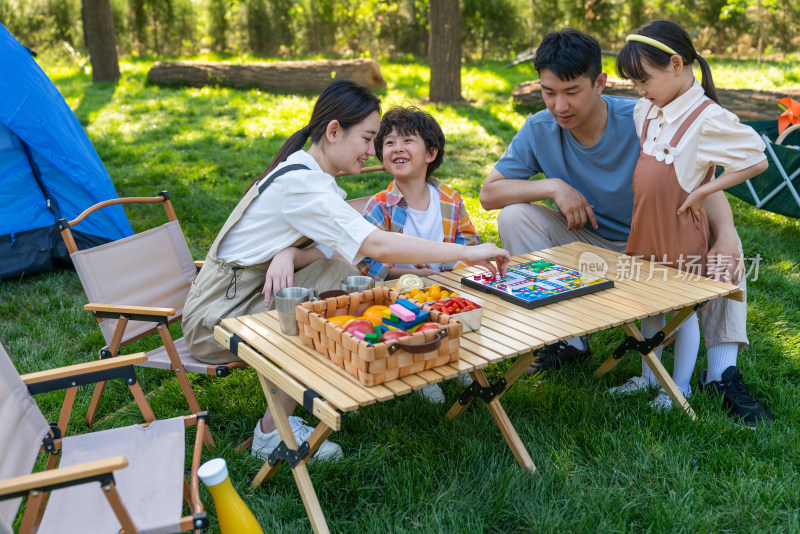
x: 658, y: 234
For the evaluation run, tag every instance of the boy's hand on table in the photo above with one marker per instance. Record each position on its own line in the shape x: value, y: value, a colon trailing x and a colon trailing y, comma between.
x: 424, y: 270
x: 280, y: 274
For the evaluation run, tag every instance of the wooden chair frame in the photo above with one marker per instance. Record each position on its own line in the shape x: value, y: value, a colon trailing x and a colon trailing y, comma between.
x: 36, y: 486
x: 160, y: 317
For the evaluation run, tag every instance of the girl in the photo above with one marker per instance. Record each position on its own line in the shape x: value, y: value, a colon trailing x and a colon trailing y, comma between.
x: 684, y: 134
x: 264, y: 245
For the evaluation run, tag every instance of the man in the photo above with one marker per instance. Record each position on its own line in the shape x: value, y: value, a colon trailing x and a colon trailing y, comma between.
x: 586, y: 146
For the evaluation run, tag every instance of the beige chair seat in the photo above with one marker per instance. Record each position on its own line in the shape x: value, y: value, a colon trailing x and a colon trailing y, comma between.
x: 136, y: 285
x: 154, y: 453
x: 97, y: 482
x: 24, y: 426
x: 159, y: 359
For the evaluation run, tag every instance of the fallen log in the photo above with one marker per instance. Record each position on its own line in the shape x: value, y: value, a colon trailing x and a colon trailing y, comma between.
x: 747, y: 104
x: 529, y: 94
x: 294, y: 76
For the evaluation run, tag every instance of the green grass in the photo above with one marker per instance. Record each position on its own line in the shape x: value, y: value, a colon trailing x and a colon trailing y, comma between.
x: 603, y: 465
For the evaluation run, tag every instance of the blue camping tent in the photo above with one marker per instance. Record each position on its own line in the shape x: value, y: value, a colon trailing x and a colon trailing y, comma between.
x: 48, y: 170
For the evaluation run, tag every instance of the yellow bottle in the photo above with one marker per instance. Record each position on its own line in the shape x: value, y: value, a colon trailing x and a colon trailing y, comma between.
x: 233, y: 515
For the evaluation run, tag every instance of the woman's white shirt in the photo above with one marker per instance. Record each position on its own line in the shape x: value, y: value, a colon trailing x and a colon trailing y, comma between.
x: 300, y: 203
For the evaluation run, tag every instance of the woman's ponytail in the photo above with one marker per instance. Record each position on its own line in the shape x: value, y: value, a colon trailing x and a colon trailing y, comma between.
x: 344, y: 101
x: 296, y: 142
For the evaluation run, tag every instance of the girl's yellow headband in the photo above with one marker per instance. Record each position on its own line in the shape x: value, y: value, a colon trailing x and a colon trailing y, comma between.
x: 651, y: 42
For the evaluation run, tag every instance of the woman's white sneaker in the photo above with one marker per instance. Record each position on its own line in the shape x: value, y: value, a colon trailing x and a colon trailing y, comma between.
x: 265, y: 443
x: 662, y: 403
x: 633, y: 385
x: 433, y: 393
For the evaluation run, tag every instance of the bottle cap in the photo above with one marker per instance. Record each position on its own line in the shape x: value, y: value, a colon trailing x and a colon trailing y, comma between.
x: 213, y: 472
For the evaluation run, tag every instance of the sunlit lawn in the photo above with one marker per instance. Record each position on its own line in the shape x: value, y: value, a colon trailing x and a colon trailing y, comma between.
x: 604, y: 465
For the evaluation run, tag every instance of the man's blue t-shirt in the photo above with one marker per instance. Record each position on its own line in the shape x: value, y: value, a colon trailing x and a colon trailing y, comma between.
x: 603, y: 173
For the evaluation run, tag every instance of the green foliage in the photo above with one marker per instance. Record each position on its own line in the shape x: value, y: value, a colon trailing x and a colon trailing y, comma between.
x: 218, y: 28
x: 490, y: 25
x: 492, y: 29
x: 603, y: 465
x: 403, y: 26
x: 40, y: 22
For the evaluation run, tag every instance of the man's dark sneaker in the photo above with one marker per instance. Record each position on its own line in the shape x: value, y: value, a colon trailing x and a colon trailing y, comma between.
x: 555, y: 356
x: 735, y: 397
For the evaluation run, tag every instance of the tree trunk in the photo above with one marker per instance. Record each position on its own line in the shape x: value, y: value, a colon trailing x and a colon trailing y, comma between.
x: 218, y: 11
x: 258, y: 26
x: 294, y: 76
x: 445, y: 50
x: 99, y: 29
x: 139, y: 24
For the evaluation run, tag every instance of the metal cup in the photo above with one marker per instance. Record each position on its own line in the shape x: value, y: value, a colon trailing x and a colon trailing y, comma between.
x: 353, y: 284
x: 286, y: 300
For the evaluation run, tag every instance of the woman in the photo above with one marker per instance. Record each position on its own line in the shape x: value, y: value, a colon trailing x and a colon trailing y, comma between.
x: 265, y: 245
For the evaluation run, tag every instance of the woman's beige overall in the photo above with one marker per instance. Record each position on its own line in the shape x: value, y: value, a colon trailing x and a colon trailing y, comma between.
x: 228, y: 290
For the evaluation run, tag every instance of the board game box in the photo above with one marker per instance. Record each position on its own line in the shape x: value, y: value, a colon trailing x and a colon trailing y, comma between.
x: 537, y: 283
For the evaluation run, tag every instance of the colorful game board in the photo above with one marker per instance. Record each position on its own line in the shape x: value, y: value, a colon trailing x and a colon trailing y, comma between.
x: 537, y: 283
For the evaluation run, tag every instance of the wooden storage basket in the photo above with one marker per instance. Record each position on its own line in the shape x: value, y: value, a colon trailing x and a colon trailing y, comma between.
x: 382, y: 362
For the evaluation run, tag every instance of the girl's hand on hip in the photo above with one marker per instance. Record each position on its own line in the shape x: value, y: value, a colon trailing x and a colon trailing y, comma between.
x: 280, y: 274
x: 694, y: 202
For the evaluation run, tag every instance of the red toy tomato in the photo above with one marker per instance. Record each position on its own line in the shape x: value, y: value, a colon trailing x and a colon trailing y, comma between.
x: 443, y: 306
x: 359, y: 325
x: 391, y: 335
x: 428, y: 326
x: 458, y: 302
x: 454, y: 305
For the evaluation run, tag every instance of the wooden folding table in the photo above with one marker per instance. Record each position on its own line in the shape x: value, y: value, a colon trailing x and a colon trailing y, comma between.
x: 507, y: 331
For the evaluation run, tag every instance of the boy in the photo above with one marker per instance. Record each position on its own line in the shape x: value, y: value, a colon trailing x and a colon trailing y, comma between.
x: 410, y: 144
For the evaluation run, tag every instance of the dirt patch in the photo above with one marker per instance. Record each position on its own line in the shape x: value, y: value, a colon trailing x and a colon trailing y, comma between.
x: 747, y: 104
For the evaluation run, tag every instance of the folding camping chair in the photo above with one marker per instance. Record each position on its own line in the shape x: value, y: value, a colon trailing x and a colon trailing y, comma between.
x: 776, y: 188
x: 137, y: 286
x: 140, y: 469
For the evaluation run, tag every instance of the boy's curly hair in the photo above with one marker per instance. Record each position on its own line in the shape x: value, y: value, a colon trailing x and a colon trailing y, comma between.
x: 412, y: 121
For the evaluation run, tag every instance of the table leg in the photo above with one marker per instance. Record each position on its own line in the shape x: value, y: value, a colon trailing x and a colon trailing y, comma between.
x: 512, y: 375
x: 607, y: 366
x: 516, y: 370
x: 315, y: 440
x: 668, y: 330
x: 658, y: 369
x: 244, y: 445
x: 510, y: 434
x: 457, y: 408
x: 300, y: 471
x: 498, y: 413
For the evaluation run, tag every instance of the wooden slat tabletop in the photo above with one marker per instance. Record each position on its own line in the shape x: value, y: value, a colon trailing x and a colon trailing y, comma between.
x: 507, y: 330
